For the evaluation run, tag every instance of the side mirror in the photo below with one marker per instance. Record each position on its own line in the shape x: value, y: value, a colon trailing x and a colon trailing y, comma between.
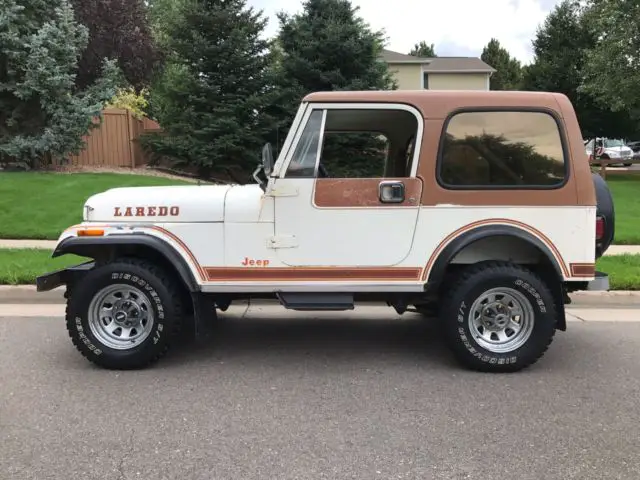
x: 266, y: 166
x: 267, y: 159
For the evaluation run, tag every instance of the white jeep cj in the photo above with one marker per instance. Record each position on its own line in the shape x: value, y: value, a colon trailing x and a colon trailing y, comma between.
x: 477, y: 207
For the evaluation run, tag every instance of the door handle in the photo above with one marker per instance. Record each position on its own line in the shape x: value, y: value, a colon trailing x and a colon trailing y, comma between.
x: 391, y: 192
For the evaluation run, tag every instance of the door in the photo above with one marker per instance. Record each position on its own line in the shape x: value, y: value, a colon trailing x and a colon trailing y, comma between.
x: 348, y: 193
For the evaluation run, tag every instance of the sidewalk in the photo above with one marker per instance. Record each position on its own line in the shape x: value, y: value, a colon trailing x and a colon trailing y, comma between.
x: 50, y: 244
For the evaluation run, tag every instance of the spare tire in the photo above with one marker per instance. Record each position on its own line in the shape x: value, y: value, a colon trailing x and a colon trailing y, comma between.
x: 606, y: 210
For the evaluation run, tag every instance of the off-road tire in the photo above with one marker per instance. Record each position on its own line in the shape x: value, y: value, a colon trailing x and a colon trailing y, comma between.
x: 165, y: 299
x: 469, y: 286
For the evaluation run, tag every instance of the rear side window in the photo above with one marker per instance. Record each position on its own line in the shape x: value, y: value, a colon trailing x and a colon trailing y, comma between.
x: 502, y: 149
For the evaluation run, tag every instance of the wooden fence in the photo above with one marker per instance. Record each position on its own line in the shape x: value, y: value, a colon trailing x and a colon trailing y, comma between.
x: 113, y: 143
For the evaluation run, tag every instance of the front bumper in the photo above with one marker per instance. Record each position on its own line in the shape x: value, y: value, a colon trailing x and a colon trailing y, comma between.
x: 52, y: 280
x: 599, y: 284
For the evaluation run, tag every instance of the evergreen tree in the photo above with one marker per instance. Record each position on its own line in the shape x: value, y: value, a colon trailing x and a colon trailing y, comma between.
x: 509, y: 70
x: 324, y: 48
x: 42, y: 115
x: 212, y: 97
x: 329, y: 47
x: 423, y: 49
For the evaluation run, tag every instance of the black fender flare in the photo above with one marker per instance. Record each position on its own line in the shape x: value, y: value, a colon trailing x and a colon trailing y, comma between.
x: 467, y: 238
x: 95, y: 247
x: 437, y: 273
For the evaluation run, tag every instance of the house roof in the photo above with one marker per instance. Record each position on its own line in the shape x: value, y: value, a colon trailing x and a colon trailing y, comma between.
x: 440, y: 64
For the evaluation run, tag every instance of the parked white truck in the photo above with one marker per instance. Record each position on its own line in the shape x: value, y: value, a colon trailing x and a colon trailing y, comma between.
x: 481, y: 210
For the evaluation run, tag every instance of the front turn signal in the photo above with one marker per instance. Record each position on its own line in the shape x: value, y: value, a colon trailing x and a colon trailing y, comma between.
x: 91, y: 232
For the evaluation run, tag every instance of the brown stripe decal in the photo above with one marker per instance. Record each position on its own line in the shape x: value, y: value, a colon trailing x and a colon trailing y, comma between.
x: 583, y: 269
x: 184, y: 247
x: 497, y: 221
x: 311, y: 274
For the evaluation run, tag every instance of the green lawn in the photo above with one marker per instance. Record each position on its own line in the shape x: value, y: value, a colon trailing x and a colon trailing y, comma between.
x: 625, y: 189
x: 42, y: 205
x: 22, y: 266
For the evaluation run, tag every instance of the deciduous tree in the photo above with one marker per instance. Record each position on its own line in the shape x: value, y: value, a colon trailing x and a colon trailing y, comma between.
x: 561, y: 49
x: 120, y: 30
x: 612, y: 68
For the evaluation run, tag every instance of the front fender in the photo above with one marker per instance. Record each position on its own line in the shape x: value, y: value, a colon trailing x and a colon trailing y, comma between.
x: 138, y: 243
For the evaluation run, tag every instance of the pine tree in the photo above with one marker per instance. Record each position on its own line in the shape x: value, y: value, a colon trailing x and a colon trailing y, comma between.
x: 42, y: 115
x: 212, y: 98
x: 423, y: 49
x: 329, y: 47
x: 509, y: 71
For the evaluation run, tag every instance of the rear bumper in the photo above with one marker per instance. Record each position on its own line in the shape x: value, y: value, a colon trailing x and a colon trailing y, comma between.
x: 599, y: 284
x: 52, y: 280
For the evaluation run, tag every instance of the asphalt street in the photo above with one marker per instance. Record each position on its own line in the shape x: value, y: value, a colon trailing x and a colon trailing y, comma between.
x: 339, y: 397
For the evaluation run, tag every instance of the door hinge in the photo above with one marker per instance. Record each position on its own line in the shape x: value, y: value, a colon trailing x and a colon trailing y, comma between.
x: 283, y: 191
x: 282, y: 241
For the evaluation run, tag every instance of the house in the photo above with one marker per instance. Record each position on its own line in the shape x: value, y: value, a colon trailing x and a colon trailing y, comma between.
x: 438, y: 73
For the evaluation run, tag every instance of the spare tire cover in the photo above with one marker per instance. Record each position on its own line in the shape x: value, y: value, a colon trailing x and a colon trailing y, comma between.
x: 605, y: 209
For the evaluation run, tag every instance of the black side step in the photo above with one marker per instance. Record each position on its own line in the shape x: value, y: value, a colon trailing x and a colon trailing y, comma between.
x: 316, y: 301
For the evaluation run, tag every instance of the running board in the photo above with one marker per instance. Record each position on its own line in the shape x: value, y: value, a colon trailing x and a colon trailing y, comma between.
x: 316, y: 301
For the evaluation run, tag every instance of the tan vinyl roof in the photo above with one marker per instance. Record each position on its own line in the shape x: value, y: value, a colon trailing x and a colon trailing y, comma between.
x: 440, y: 64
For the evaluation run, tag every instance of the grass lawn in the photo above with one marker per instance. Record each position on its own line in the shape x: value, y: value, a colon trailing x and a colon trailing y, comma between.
x: 41, y: 205
x: 625, y: 189
x: 22, y: 266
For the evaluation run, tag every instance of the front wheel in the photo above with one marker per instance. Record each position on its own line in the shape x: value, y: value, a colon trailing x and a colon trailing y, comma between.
x: 499, y: 317
x: 124, y: 314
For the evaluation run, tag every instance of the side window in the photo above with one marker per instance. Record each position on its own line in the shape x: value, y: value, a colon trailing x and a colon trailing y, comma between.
x: 502, y: 149
x: 354, y: 154
x: 356, y: 143
x: 303, y: 162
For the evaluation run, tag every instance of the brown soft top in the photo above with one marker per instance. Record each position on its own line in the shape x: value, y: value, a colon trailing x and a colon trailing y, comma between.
x: 439, y: 103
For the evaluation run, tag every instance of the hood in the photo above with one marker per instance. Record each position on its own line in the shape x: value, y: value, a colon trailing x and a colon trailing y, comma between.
x: 189, y: 203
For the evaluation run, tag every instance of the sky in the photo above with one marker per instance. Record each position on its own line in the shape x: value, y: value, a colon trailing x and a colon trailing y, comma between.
x: 456, y: 27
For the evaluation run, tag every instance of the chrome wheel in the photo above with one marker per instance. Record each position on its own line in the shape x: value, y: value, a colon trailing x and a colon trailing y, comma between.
x: 501, y: 320
x: 120, y: 316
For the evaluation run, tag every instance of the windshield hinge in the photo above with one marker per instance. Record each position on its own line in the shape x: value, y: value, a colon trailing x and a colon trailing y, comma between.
x: 283, y: 191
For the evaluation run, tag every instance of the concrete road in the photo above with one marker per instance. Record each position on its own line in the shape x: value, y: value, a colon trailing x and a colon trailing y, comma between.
x: 339, y: 397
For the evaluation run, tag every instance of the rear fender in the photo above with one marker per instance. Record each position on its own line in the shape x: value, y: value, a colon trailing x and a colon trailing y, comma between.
x: 552, y: 275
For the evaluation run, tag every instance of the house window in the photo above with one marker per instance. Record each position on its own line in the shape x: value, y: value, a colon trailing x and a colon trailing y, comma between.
x: 504, y: 149
x: 425, y: 80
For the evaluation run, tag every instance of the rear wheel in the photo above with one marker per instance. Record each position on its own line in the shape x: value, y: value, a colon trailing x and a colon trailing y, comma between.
x: 124, y: 314
x: 498, y: 317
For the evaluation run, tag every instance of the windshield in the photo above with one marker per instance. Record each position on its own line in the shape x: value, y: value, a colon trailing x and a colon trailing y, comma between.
x: 613, y: 142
